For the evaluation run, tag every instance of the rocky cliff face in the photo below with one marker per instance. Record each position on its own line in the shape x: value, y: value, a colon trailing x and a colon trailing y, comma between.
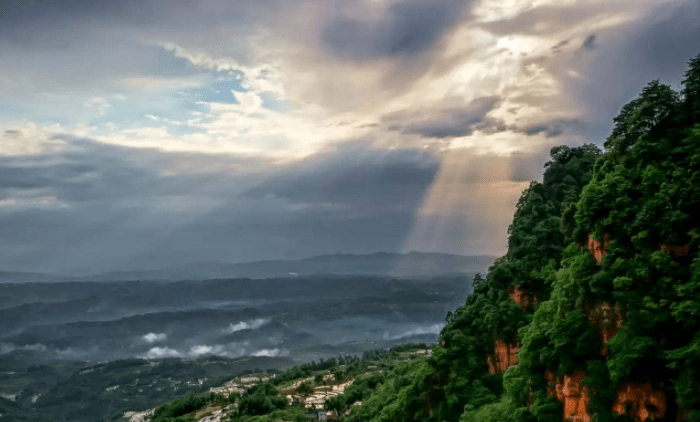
x: 503, y: 357
x: 504, y: 354
x: 640, y: 401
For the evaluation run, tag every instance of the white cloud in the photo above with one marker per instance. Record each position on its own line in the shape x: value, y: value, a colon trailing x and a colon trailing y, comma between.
x: 249, y: 101
x: 144, y: 83
x: 161, y: 352
x: 246, y: 325
x: 271, y: 352
x: 8, y: 347
x: 431, y: 329
x: 22, y: 203
x: 98, y: 103
x: 260, y: 78
x: 199, y: 350
x: 153, y: 337
x: 30, y: 138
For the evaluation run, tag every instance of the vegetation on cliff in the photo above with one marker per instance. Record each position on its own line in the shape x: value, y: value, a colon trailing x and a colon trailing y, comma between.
x: 598, y: 293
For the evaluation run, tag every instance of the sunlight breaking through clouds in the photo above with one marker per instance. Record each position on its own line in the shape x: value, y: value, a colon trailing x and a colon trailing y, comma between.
x: 272, y: 87
x: 467, y: 207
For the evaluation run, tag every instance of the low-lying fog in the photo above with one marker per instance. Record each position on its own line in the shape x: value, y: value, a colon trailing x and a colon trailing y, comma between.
x: 299, y: 318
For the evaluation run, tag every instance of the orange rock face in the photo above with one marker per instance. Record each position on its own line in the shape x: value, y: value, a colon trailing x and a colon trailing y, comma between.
x: 641, y: 401
x: 675, y: 250
x: 598, y: 249
x: 574, y: 395
x: 549, y: 377
x: 505, y: 356
x: 523, y: 298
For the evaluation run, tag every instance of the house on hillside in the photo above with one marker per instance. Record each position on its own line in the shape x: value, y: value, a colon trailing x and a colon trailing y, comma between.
x: 318, y: 415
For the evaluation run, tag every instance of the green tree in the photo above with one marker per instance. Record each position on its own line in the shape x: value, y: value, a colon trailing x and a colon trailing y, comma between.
x: 691, y: 92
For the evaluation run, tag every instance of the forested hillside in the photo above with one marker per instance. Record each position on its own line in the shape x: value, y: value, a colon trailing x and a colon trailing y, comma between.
x: 594, y: 312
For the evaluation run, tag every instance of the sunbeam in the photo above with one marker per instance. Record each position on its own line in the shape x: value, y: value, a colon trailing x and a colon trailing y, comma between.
x: 468, y: 206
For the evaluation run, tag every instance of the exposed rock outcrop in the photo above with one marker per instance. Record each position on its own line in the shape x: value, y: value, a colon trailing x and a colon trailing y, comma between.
x: 598, y: 248
x: 504, y: 356
x: 640, y: 401
x: 575, y: 397
x: 675, y: 250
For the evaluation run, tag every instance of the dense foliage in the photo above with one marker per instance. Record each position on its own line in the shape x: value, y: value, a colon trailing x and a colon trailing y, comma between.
x: 640, y: 200
x: 645, y: 197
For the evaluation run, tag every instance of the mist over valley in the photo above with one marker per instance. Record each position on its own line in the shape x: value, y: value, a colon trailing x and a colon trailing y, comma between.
x: 245, y: 323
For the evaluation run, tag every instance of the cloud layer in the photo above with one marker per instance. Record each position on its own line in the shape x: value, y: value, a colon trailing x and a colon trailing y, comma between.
x: 143, y: 134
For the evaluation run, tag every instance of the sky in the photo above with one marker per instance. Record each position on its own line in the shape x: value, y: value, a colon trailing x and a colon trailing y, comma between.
x: 148, y: 134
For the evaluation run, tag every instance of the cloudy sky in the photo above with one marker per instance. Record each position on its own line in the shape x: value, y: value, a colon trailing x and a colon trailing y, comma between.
x: 145, y: 134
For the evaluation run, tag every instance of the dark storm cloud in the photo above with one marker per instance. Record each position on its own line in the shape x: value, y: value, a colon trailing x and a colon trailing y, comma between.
x: 551, y: 128
x: 91, y: 171
x: 560, y: 45
x: 528, y: 166
x: 96, y: 205
x: 57, y: 24
x: 408, y: 28
x: 356, y: 176
x: 658, y: 46
x: 51, y: 42
x: 446, y: 122
x: 550, y: 131
x: 23, y: 12
x: 114, y: 208
x: 666, y: 43
x: 589, y: 43
x: 544, y: 20
x: 281, y: 233
x: 353, y: 199
x: 16, y: 14
x: 102, y: 207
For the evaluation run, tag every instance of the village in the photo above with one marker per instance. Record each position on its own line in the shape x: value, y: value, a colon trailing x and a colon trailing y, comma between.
x: 310, y: 392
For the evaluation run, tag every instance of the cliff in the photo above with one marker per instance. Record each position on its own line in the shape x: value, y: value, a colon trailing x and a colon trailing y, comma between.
x: 613, y: 337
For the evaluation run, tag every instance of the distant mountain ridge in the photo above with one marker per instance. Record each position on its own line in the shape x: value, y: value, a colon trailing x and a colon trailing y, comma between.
x: 412, y: 264
x: 22, y: 277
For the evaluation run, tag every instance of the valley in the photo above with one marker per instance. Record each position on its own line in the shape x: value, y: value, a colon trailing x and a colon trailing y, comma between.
x: 92, y: 350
